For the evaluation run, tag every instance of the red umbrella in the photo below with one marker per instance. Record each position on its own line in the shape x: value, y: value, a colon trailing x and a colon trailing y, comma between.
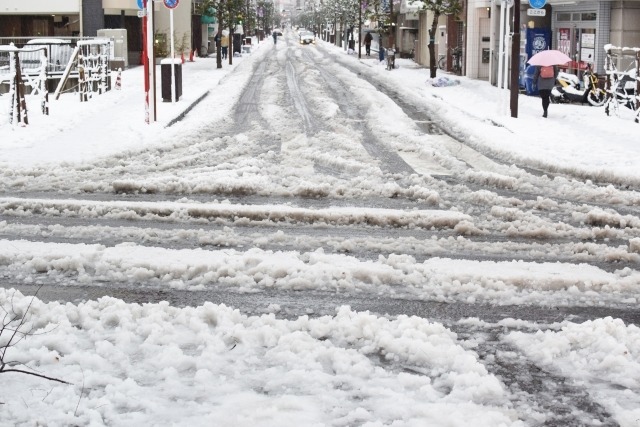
x: 549, y: 57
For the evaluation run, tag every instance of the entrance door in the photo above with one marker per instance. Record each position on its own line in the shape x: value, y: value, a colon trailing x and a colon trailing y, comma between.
x: 579, y: 45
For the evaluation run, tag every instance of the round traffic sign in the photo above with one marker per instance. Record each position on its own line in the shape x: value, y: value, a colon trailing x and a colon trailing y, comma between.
x: 537, y: 4
x: 171, y: 4
x: 140, y: 4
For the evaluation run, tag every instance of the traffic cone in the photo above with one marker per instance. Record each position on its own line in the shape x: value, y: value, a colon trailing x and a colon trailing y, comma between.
x: 182, y: 57
x: 119, y: 79
x: 191, y: 55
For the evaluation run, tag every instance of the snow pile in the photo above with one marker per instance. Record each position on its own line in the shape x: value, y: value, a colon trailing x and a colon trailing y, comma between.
x: 153, y: 364
x: 439, y: 279
x: 443, y: 81
x: 604, y: 350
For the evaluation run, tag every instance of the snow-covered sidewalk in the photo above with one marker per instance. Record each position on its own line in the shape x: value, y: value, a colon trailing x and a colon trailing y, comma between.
x: 586, y: 142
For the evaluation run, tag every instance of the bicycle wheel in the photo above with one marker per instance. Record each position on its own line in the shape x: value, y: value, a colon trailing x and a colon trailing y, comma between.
x: 442, y: 62
x: 596, y: 97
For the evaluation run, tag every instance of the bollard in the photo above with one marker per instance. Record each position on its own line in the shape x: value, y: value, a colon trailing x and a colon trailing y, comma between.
x: 119, y: 79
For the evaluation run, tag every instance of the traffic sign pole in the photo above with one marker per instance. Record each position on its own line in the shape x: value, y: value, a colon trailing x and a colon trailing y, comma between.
x: 173, y: 55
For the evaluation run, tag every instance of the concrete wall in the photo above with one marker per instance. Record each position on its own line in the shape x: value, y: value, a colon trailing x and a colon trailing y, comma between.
x: 625, y: 23
x: 36, y: 7
x: 477, y: 16
x: 92, y: 17
x: 425, y: 21
x: 181, y: 23
x: 119, y: 4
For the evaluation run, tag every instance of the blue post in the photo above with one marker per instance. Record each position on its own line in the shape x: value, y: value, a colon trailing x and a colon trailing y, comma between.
x: 380, y: 49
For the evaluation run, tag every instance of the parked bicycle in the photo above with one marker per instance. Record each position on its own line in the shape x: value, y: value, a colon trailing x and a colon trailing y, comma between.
x: 622, y: 91
x: 391, y: 59
x: 456, y: 60
x: 412, y: 54
x: 456, y: 56
x: 622, y: 86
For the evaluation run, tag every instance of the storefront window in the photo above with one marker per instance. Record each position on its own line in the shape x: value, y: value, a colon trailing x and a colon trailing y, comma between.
x: 576, y: 16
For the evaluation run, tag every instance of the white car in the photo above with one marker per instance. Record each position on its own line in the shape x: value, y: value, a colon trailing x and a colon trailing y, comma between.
x: 307, y: 37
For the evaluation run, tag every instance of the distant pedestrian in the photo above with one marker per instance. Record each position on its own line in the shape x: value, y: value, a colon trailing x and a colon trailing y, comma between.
x: 216, y: 41
x: 275, y: 37
x: 367, y: 43
x: 224, y: 46
x: 545, y: 78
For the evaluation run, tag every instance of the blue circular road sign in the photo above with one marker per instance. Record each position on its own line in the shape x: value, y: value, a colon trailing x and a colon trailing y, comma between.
x: 140, y: 4
x: 537, y: 4
x: 171, y: 4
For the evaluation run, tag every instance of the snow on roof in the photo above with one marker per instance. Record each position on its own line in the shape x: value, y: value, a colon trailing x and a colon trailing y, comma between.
x: 48, y: 41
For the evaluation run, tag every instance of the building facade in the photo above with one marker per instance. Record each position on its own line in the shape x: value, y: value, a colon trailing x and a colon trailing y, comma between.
x: 579, y: 28
x: 85, y: 18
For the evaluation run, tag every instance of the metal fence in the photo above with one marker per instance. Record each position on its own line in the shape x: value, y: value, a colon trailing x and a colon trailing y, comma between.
x: 59, y: 51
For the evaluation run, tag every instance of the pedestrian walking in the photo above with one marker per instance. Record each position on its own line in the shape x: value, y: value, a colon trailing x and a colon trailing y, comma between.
x: 275, y: 37
x: 216, y: 42
x: 224, y: 46
x: 367, y: 43
x: 545, y: 78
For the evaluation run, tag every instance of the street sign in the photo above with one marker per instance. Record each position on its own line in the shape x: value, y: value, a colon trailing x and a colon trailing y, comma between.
x: 142, y: 13
x: 537, y: 4
x: 140, y: 4
x: 536, y: 12
x: 171, y: 4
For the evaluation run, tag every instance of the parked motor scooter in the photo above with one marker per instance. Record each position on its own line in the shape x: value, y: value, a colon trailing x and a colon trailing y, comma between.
x: 569, y: 89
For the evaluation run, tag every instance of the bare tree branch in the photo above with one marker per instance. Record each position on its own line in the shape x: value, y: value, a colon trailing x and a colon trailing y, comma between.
x: 15, y: 326
x: 35, y: 375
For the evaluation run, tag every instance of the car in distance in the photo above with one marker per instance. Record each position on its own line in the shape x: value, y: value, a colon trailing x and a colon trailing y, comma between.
x: 307, y: 37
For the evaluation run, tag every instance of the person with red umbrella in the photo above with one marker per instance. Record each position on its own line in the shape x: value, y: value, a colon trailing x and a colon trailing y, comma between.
x: 546, y: 63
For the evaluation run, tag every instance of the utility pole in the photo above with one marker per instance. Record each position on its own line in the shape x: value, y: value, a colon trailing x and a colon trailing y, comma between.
x: 392, y: 24
x: 515, y: 59
x: 359, y: 29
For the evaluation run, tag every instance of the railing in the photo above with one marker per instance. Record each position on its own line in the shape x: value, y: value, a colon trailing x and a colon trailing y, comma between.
x: 59, y: 51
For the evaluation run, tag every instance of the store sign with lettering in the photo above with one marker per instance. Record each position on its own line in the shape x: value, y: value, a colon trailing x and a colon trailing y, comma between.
x: 536, y: 12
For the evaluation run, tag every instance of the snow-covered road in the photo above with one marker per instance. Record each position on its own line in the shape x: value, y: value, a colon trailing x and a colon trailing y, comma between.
x: 337, y: 252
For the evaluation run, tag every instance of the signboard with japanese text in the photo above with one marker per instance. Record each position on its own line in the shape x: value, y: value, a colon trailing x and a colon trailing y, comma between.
x: 536, y: 12
x: 537, y: 40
